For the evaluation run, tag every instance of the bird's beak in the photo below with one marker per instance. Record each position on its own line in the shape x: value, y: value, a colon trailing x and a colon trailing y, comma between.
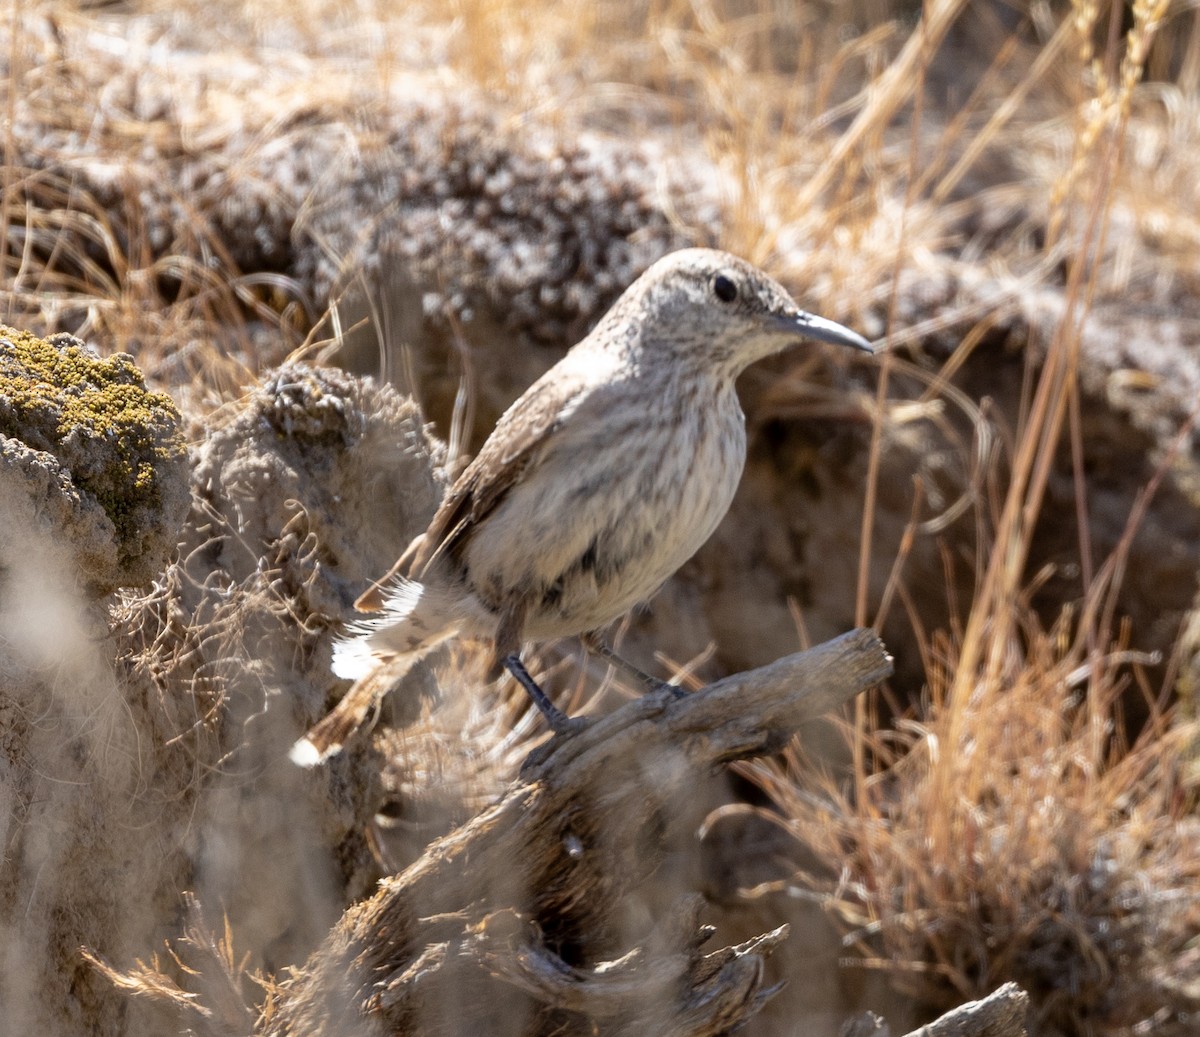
x: 811, y: 326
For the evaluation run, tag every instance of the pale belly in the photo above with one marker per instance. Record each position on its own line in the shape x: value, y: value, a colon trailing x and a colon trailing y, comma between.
x: 600, y: 528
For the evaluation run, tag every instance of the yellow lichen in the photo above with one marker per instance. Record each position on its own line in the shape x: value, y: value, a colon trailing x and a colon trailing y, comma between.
x: 95, y: 415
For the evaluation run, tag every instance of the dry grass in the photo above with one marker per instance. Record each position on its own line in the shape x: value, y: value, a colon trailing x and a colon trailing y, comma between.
x: 1008, y: 822
x: 1010, y: 825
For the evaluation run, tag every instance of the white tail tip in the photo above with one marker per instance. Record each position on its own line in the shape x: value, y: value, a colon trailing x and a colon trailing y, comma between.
x: 305, y: 754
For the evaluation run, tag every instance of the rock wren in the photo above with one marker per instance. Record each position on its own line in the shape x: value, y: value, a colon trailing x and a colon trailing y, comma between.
x: 595, y: 486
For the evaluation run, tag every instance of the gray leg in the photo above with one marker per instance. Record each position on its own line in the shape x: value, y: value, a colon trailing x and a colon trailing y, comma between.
x: 559, y: 722
x: 593, y: 642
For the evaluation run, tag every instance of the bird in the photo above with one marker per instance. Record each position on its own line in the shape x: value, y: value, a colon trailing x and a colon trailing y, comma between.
x: 595, y: 486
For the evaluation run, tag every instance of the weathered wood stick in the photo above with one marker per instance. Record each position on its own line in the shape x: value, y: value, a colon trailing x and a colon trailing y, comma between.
x: 1001, y: 1014
x: 555, y: 856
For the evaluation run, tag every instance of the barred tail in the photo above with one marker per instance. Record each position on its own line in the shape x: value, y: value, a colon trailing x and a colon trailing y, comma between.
x: 328, y: 736
x: 379, y: 652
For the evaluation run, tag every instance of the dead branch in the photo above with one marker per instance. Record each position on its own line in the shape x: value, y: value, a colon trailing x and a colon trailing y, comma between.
x: 515, y: 922
x: 1000, y: 1014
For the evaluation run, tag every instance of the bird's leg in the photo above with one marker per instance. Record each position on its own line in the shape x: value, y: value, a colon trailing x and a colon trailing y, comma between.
x: 559, y: 722
x: 593, y: 642
x: 508, y: 644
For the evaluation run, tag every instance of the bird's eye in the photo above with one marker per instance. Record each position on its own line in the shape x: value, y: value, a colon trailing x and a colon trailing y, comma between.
x: 724, y: 288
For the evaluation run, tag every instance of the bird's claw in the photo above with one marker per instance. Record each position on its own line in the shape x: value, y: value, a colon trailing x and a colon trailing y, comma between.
x: 674, y: 690
x: 565, y: 726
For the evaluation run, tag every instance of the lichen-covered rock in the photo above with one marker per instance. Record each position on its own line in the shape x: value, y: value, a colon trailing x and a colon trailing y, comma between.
x: 143, y: 745
x: 91, y: 457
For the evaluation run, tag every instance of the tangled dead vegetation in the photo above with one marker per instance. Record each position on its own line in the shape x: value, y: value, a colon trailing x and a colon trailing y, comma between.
x: 421, y: 219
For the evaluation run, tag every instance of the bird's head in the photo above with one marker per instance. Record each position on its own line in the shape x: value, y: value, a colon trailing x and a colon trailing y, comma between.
x: 713, y: 307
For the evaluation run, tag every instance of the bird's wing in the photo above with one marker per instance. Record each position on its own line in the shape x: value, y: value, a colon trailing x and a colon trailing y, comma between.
x: 509, y: 450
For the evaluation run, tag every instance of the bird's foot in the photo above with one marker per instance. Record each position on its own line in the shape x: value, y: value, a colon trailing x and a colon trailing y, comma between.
x: 565, y: 725
x: 653, y: 684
